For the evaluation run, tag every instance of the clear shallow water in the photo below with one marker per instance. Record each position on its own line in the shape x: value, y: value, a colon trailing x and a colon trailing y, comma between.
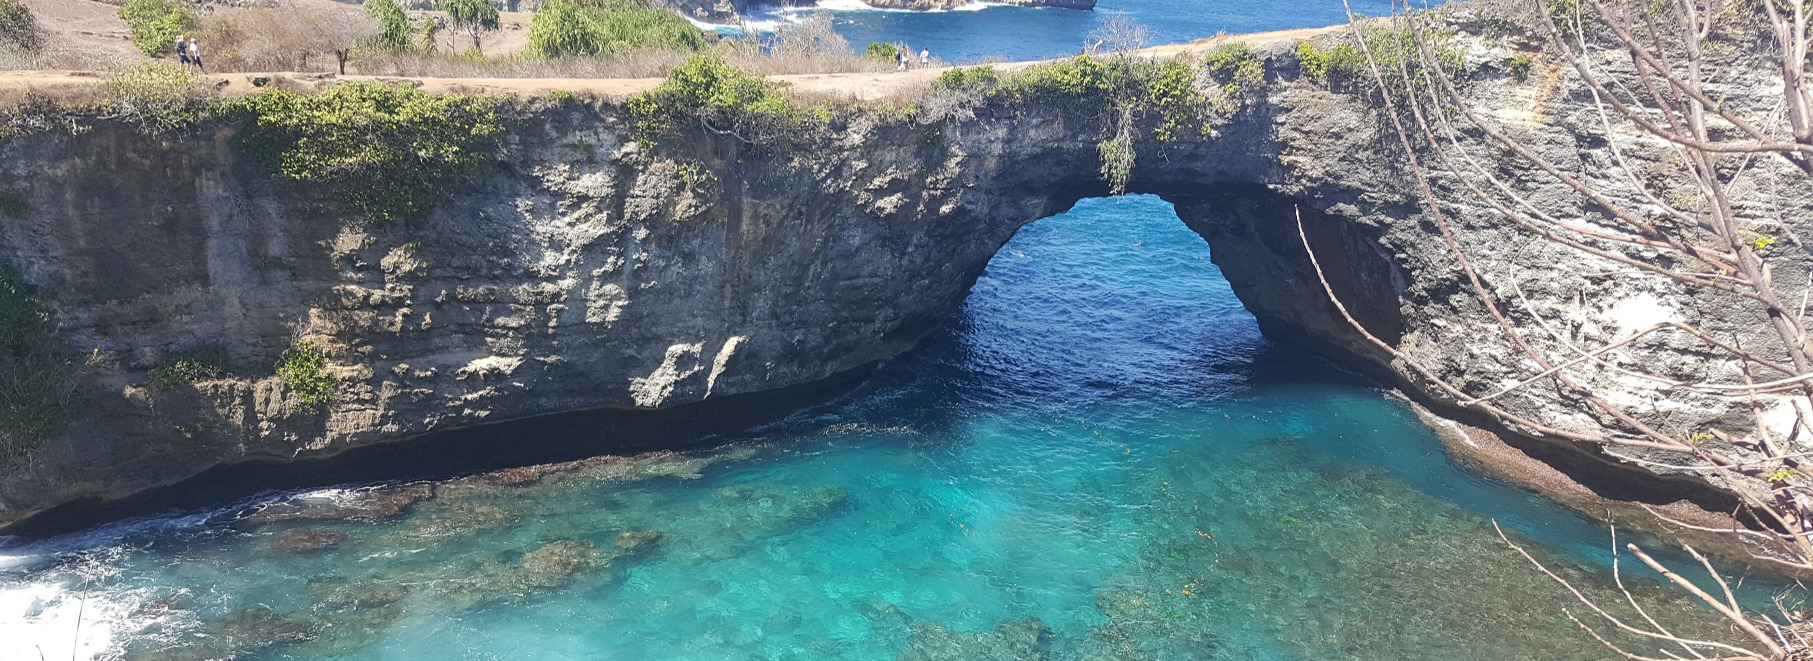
x: 1100, y: 458
x: 1021, y: 33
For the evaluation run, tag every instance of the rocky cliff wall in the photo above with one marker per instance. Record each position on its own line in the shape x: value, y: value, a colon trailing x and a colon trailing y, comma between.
x: 585, y: 274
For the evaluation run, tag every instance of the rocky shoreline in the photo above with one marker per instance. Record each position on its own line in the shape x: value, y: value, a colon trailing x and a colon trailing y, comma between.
x: 587, y: 274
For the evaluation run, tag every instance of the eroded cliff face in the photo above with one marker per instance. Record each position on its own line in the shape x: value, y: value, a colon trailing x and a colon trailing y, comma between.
x: 581, y: 274
x: 587, y: 272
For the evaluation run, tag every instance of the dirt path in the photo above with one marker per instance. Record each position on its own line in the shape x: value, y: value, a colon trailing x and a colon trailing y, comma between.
x: 857, y: 86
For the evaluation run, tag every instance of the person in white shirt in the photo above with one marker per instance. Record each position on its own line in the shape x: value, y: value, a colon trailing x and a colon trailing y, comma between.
x: 195, y: 55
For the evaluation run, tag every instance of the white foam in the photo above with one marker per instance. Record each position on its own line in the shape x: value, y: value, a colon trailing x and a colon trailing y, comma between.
x: 57, y: 619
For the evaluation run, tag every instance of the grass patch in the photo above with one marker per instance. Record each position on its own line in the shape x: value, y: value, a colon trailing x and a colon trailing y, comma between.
x: 204, y: 362
x: 36, y: 371
x: 392, y: 152
x: 301, y: 368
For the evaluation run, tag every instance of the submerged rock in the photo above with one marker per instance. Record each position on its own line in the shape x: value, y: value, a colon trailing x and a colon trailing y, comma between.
x: 307, y: 540
x: 237, y: 634
x: 609, y: 468
x: 554, y: 565
x: 457, y: 520
x: 375, y: 503
x: 558, y: 563
x: 336, y: 593
x: 741, y: 515
x: 1012, y: 640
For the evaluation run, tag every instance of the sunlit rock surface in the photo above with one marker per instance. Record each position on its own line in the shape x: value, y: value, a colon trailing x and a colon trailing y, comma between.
x: 590, y: 273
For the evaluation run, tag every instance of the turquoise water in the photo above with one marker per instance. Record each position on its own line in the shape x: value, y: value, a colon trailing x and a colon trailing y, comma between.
x: 1099, y: 458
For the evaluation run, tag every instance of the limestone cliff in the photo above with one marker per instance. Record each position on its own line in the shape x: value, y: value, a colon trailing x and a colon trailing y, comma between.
x: 586, y: 272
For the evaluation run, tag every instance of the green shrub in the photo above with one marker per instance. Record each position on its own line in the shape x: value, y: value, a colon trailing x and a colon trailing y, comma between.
x: 205, y: 362
x: 393, y: 25
x: 708, y: 92
x: 881, y: 51
x: 983, y: 79
x: 301, y: 368
x: 19, y: 29
x: 1397, y: 53
x: 159, y: 95
x: 1339, y: 64
x: 35, y: 371
x: 155, y: 24
x: 390, y: 151
x: 1171, y: 93
x: 1122, y: 89
x: 1520, y: 66
x: 570, y: 27
x: 1237, y: 68
x: 1080, y: 84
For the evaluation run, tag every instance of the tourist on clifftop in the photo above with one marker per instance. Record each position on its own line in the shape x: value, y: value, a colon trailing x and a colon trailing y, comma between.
x: 195, y: 55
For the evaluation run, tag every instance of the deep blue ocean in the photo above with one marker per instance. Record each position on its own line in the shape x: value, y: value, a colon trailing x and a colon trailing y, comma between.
x: 1018, y: 33
x: 1099, y: 458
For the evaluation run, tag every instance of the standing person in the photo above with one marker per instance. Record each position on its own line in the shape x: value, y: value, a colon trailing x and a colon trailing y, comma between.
x: 900, y: 57
x: 195, y: 55
x: 925, y: 57
x: 182, y: 51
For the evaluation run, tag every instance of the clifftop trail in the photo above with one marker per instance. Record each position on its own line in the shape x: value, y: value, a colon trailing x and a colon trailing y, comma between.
x: 858, y: 86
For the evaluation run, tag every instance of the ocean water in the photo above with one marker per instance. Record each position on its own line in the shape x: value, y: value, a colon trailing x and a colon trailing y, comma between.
x: 982, y: 31
x: 1100, y: 458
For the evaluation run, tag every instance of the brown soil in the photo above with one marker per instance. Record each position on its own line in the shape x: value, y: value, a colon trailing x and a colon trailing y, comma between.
x: 84, y: 24
x: 857, y: 86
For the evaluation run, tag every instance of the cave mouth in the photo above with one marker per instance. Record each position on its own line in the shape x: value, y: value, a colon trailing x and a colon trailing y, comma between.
x: 1115, y: 298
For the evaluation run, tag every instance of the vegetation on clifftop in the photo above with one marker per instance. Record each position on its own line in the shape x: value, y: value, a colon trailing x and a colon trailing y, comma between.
x: 389, y: 151
x: 18, y: 28
x: 1173, y: 96
x: 1343, y: 65
x: 708, y: 93
x: 155, y: 24
x: 593, y: 27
